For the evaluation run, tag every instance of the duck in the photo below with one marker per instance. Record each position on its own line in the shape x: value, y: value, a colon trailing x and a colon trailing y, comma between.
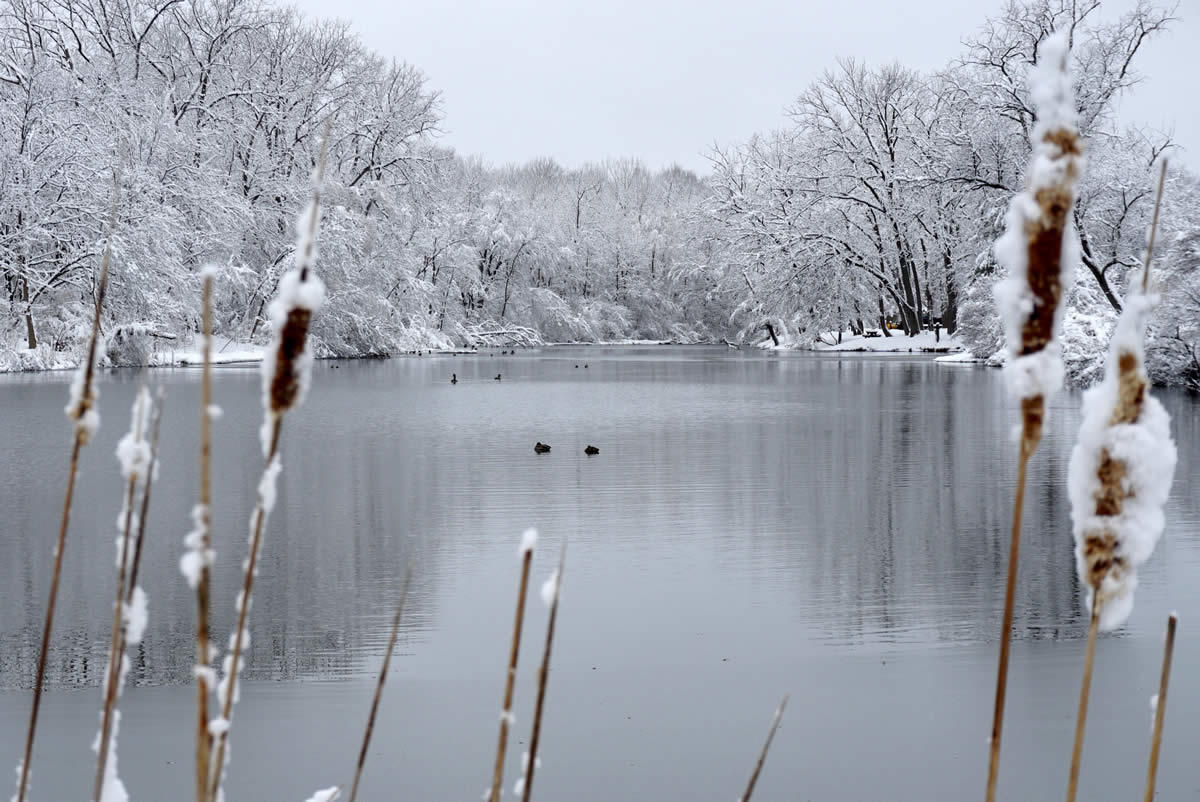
x: 591, y: 451
x: 454, y: 378
x: 497, y: 377
x: 576, y: 367
x: 585, y: 365
x: 541, y: 448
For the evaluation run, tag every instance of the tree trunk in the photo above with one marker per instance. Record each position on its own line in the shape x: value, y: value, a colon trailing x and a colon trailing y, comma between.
x: 883, y: 319
x: 771, y: 331
x: 950, y: 312
x: 30, y: 335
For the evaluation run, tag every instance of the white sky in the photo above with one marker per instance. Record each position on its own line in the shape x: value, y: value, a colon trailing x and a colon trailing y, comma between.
x: 662, y: 80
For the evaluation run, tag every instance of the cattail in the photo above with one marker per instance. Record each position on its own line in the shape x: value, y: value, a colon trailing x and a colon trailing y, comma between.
x: 85, y: 420
x: 1120, y: 472
x: 1123, y: 463
x: 1118, y: 480
x: 1040, y: 249
x: 286, y: 371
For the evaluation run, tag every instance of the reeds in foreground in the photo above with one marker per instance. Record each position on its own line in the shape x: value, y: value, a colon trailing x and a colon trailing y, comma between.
x: 762, y: 756
x: 85, y: 420
x: 196, y: 563
x: 1039, y: 249
x: 1118, y: 479
x: 286, y: 371
x: 551, y: 591
x: 528, y: 542
x: 129, y: 617
x: 383, y: 672
x: 1160, y: 708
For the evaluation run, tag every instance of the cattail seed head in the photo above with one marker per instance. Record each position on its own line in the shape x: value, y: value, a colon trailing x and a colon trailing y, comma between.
x: 1039, y: 247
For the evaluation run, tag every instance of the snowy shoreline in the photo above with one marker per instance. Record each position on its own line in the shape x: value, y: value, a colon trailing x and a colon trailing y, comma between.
x: 231, y: 353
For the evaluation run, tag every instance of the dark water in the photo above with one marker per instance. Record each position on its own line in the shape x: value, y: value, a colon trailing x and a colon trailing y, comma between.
x: 754, y: 525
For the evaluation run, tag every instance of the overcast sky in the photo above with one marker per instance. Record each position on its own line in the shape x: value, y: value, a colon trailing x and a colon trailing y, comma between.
x: 662, y: 80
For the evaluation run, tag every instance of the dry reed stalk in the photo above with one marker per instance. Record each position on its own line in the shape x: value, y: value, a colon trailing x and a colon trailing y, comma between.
x: 116, y: 649
x: 222, y: 738
x: 1085, y: 690
x: 204, y: 530
x: 1102, y: 557
x: 762, y: 756
x: 82, y: 414
x: 514, y: 648
x: 1160, y: 708
x: 285, y: 378
x: 1158, y: 196
x: 555, y: 586
x: 155, y: 428
x: 1037, y: 230
x: 383, y: 672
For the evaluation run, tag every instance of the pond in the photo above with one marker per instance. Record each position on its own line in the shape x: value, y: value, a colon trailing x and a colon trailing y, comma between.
x: 754, y: 524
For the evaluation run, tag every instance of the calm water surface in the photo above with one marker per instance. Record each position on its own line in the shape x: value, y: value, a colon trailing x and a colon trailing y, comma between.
x: 754, y: 525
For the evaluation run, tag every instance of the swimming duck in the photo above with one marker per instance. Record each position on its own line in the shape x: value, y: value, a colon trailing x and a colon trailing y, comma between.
x: 497, y: 377
x: 454, y: 378
x: 541, y: 448
x: 591, y: 451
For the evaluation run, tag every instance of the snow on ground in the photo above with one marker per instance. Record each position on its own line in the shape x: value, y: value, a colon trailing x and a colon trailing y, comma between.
x: 225, y: 352
x: 897, y: 343
x: 44, y: 357
x: 961, y: 358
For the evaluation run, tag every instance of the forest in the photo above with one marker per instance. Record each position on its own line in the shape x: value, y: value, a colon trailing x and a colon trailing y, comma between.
x: 185, y: 133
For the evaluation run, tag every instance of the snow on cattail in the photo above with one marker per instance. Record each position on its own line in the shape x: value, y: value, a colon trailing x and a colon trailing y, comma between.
x: 1039, y: 247
x: 81, y: 404
x: 1120, y: 471
x: 286, y: 372
x: 287, y: 363
x: 528, y: 541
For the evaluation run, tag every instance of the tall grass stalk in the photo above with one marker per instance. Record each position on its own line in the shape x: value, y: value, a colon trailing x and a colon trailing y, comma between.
x: 1160, y: 708
x: 151, y: 470
x: 527, y: 546
x: 203, y: 532
x: 286, y: 372
x: 762, y: 756
x: 551, y: 592
x: 85, y: 419
x: 116, y: 651
x: 1038, y: 250
x: 1085, y: 690
x: 383, y: 672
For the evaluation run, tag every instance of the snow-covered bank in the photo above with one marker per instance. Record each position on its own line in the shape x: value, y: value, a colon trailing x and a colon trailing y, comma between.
x: 925, y: 342
x: 961, y: 358
x: 225, y: 352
